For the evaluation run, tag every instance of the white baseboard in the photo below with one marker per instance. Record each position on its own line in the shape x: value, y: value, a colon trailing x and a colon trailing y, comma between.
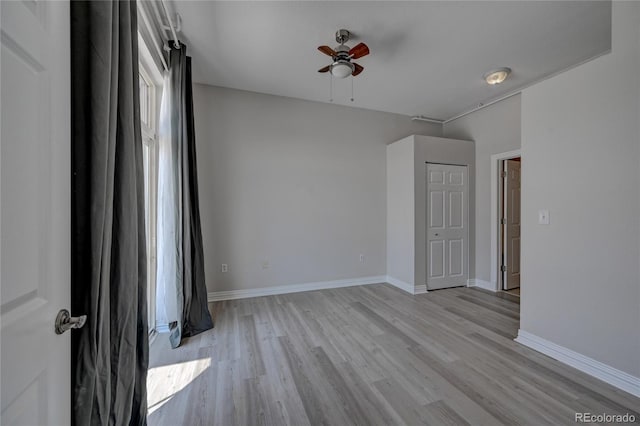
x: 420, y: 289
x: 409, y: 288
x: 402, y: 285
x: 475, y: 282
x: 152, y: 336
x: 597, y: 369
x: 162, y: 328
x: 215, y: 296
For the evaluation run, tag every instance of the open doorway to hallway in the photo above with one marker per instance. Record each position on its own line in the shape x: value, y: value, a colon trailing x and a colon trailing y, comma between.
x: 509, y: 226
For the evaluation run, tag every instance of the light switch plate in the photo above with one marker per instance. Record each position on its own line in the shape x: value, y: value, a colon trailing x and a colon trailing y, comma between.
x: 543, y: 217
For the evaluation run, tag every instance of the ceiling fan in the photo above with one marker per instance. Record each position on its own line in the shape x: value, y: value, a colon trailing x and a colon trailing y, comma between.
x: 342, y: 56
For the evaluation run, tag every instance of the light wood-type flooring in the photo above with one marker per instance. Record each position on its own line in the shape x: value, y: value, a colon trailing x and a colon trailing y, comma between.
x: 515, y: 291
x: 369, y: 355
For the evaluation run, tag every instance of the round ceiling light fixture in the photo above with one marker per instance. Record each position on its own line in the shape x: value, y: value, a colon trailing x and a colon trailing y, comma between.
x: 342, y: 69
x: 497, y: 76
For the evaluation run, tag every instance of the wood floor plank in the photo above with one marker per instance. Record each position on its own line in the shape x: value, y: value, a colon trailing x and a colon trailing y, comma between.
x: 316, y: 413
x: 402, y: 402
x: 502, y: 311
x: 383, y: 323
x: 368, y: 355
x: 284, y: 402
x: 226, y: 385
x: 377, y: 414
x: 538, y: 368
x: 474, y: 391
x: 350, y: 403
x: 406, y: 369
x: 441, y: 414
x: 499, y: 328
x: 498, y: 295
x: 251, y: 348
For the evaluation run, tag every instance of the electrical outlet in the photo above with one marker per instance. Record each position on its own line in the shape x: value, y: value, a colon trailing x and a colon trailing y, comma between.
x: 265, y: 264
x: 224, y: 267
x: 362, y: 258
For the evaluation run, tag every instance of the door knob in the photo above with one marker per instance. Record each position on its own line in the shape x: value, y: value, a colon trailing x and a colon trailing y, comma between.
x: 64, y: 321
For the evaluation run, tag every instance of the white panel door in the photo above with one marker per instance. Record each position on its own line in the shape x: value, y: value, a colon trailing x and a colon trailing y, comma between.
x: 447, y: 226
x: 35, y: 211
x: 512, y: 225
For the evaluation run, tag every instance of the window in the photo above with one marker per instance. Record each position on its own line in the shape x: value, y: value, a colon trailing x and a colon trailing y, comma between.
x: 147, y: 103
x: 148, y: 121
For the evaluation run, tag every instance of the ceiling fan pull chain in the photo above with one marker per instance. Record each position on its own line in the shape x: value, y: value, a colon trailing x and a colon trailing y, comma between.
x: 331, y: 88
x: 351, y: 88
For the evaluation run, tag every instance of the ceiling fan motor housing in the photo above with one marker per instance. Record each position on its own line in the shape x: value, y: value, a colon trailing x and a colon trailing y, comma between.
x: 342, y: 53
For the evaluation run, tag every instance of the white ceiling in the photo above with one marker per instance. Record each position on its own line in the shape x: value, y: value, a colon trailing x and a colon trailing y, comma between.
x: 427, y: 58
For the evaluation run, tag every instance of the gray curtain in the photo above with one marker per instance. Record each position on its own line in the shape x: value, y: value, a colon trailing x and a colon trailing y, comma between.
x: 182, y: 291
x: 110, y: 354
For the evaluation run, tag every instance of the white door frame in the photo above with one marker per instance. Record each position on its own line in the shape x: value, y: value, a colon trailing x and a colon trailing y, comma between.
x: 495, y: 213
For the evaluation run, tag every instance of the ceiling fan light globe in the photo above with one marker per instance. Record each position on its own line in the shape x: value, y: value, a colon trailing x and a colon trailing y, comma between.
x: 341, y: 70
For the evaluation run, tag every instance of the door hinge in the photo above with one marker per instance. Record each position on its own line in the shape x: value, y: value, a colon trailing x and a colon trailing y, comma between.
x: 503, y: 174
x: 503, y: 268
x: 503, y: 221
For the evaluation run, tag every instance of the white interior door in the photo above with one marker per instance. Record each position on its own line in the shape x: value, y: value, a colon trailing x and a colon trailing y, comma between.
x: 35, y: 211
x: 447, y: 226
x: 511, y: 233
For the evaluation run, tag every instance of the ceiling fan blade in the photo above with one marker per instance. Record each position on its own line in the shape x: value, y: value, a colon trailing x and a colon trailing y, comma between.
x: 327, y: 51
x: 357, y: 69
x: 359, y: 50
x: 325, y: 69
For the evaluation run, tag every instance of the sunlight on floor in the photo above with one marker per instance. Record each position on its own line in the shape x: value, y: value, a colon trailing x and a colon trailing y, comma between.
x: 173, y: 378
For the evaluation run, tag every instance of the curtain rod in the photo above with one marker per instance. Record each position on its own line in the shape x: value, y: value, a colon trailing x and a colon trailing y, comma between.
x: 151, y: 31
x: 176, y: 42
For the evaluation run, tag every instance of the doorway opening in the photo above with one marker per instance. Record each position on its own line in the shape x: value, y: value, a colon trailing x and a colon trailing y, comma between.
x: 497, y: 214
x: 509, y: 226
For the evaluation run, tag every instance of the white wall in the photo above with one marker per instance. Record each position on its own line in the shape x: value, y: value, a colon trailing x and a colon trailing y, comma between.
x: 407, y: 203
x: 299, y: 184
x: 494, y: 129
x: 581, y: 151
x: 401, y: 211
